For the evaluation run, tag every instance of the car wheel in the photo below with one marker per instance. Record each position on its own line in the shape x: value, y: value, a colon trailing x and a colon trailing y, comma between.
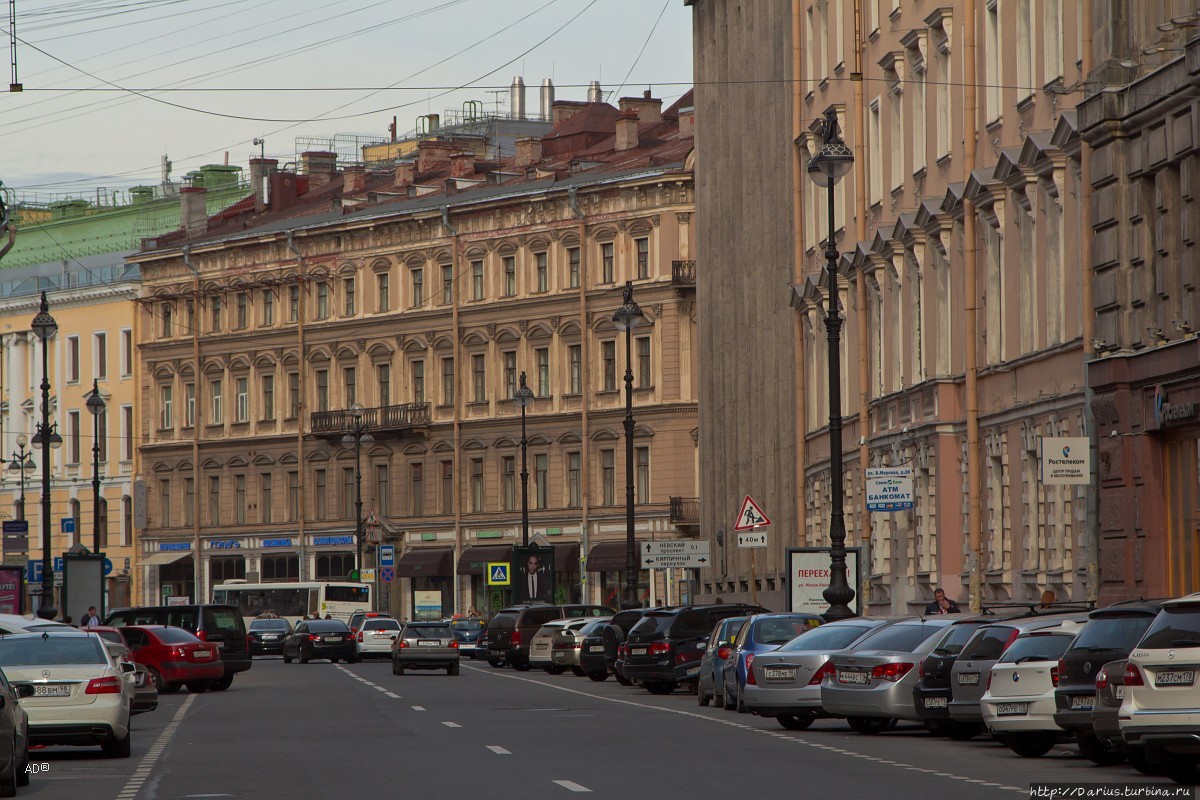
x: 936, y: 727
x: 702, y: 698
x: 868, y: 725
x: 555, y: 670
x: 598, y: 677
x: 196, y: 687
x: 452, y: 670
x: 1031, y: 745
x: 169, y: 688
x: 496, y: 662
x: 287, y: 659
x: 222, y: 683
x: 1094, y: 750
x: 1182, y: 768
x: 522, y: 666
x: 660, y: 687
x: 796, y: 722
x: 578, y: 672
x: 727, y: 703
x: 118, y: 748
x: 621, y: 679
x: 963, y: 731
x: 8, y: 778
x: 155, y: 677
x: 397, y: 669
x: 741, y: 705
x: 303, y: 657
x: 23, y: 764
x: 1137, y: 760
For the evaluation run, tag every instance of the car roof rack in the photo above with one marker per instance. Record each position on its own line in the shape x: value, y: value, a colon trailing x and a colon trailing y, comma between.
x: 1035, y: 608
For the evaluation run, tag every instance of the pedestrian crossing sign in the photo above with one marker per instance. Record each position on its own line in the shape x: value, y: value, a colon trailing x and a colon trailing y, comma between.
x: 498, y: 573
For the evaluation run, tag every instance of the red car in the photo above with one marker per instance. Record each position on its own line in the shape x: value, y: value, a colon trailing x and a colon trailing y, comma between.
x: 174, y: 656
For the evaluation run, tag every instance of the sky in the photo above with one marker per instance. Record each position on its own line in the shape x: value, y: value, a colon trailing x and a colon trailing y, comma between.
x: 194, y: 79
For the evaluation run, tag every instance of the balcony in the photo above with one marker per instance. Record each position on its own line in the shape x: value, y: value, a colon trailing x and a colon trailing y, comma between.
x: 685, y: 511
x: 683, y: 274
x: 382, y: 419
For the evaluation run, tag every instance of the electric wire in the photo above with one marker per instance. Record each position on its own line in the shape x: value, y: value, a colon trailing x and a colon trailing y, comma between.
x: 633, y: 66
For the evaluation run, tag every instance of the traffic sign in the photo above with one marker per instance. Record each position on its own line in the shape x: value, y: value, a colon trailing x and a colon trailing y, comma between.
x: 16, y: 535
x: 751, y: 516
x: 752, y: 539
x: 675, y: 554
x: 68, y: 524
x: 108, y: 566
x: 366, y: 575
x: 387, y: 555
x: 387, y: 574
x: 498, y: 573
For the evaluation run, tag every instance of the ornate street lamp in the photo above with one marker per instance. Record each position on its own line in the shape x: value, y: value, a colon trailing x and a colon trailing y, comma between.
x: 45, y: 327
x: 95, y: 407
x: 22, y: 462
x: 626, y: 318
x: 524, y: 398
x: 826, y: 168
x: 356, y: 438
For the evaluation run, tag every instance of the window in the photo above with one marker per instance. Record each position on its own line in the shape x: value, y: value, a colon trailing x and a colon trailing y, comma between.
x: 265, y: 501
x: 215, y: 309
x: 541, y: 480
x: 874, y: 154
x: 447, y: 285
x: 641, y: 461
x: 477, y: 484
x: 243, y: 310
x: 543, y: 278
x: 418, y: 381
x: 189, y: 405
x: 126, y: 352
x: 166, y: 314
x: 293, y: 379
x: 448, y: 381
x: 349, y: 386
x: 642, y: 247
x: 542, y: 357
x: 322, y: 300
x: 479, y: 372
x: 336, y: 566
x: 575, y: 357
x: 606, y: 261
x: 418, y: 286
x: 508, y: 483
x: 72, y: 359
x: 268, y: 397
x: 239, y: 499
x: 417, y: 489
x: 101, y: 439
x: 293, y: 303
x: 242, y: 390
x: 127, y: 520
x: 320, y: 494
x: 509, y: 264
x: 214, y: 393
x: 189, y: 501
x: 573, y: 268
x: 383, y: 377
x: 100, y: 355
x: 322, y: 390
x: 348, y: 493
x: 1052, y: 40
x: 268, y: 307
x: 280, y: 568
x: 127, y: 433
x: 214, y: 500
x: 447, y: 468
x: 608, y: 476
x: 608, y: 354
x: 73, y: 437
x: 574, y: 495
x: 476, y: 280
x: 510, y: 373
x: 166, y: 418
x: 348, y: 292
x: 383, y: 489
x: 383, y: 291
x: 164, y: 502
x: 645, y: 379
x: 293, y: 496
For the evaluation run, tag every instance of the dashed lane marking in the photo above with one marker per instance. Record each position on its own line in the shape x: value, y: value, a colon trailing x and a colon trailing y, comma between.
x: 392, y: 695
x: 498, y: 750
x: 134, y: 784
x: 572, y: 786
x: 452, y: 725
x: 418, y: 708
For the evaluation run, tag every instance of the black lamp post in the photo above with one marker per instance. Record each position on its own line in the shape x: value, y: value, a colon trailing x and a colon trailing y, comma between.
x: 357, y: 437
x: 95, y: 406
x: 22, y: 463
x: 626, y: 318
x: 524, y: 398
x: 826, y: 168
x: 45, y: 327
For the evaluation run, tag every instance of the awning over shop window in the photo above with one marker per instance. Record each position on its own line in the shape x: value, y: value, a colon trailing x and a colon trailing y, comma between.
x: 166, y: 557
x: 566, y: 558
x: 474, y: 560
x: 426, y: 563
x: 607, y: 557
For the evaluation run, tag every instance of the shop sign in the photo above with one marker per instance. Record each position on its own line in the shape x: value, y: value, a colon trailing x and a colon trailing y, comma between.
x: 1167, y: 413
x: 175, y: 546
x: 332, y: 540
x: 1066, y: 460
x: 276, y: 542
x: 224, y: 544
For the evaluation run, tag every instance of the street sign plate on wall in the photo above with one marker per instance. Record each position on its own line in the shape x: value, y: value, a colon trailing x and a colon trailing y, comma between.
x: 1066, y: 460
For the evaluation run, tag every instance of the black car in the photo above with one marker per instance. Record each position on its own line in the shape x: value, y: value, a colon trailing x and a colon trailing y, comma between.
x: 931, y: 694
x: 320, y: 638
x: 664, y: 649
x: 511, y: 630
x: 1110, y: 635
x: 615, y: 635
x: 468, y: 631
x: 591, y: 654
x: 266, y: 636
x: 220, y: 624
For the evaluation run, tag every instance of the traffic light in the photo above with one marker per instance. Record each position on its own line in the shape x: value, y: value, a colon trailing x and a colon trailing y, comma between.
x: 354, y: 575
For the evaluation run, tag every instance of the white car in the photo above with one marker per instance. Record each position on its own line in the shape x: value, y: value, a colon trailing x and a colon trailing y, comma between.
x: 1160, y: 715
x: 15, y: 623
x: 1018, y: 704
x: 80, y: 694
x: 375, y: 637
x: 541, y: 647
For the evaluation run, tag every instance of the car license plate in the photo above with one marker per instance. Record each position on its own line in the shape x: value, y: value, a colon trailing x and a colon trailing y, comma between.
x: 1012, y: 709
x: 1084, y: 702
x: 778, y: 674
x: 638, y: 651
x: 61, y: 690
x: 203, y: 654
x: 968, y: 679
x: 331, y: 638
x: 269, y: 638
x: 428, y: 643
x: 937, y: 702
x: 1120, y: 692
x: 853, y: 676
x: 596, y: 648
x: 220, y: 645
x: 1175, y: 677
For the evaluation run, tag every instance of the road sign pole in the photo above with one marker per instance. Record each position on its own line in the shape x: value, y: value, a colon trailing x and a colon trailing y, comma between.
x: 753, y: 575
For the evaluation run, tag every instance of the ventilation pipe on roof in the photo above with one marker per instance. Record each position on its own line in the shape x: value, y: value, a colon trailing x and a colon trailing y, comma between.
x: 547, y: 98
x: 517, y: 98
x: 595, y: 93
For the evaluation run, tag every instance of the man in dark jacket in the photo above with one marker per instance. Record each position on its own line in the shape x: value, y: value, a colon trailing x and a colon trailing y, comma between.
x: 942, y: 604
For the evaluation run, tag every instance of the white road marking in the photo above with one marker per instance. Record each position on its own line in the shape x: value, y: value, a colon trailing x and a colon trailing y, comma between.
x: 392, y: 695
x: 380, y: 688
x: 498, y: 750
x: 418, y: 708
x: 452, y: 725
x: 134, y: 784
x: 572, y: 786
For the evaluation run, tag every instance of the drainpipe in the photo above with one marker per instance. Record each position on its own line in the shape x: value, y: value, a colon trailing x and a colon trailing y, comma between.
x: 585, y: 381
x: 303, y: 367
x: 458, y: 481
x: 198, y: 571
x: 798, y: 364
x: 1087, y: 312
x: 971, y: 313
x: 860, y: 296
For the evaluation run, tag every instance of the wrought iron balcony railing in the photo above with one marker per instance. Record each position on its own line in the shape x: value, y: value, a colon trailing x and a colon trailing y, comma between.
x: 381, y: 418
x: 685, y: 510
x: 683, y: 273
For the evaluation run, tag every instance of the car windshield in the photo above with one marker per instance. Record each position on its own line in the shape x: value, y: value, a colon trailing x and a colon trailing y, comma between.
x: 653, y: 624
x: 593, y: 628
x: 958, y: 635
x: 174, y: 636
x: 327, y: 626
x: 468, y: 625
x: 832, y: 637
x: 270, y: 625
x: 46, y: 650
x: 1038, y: 647
x: 783, y: 629
x: 1113, y: 633
x: 902, y: 637
x: 381, y: 625
x: 110, y: 636
x: 1178, y: 626
x: 988, y: 644
x: 428, y: 632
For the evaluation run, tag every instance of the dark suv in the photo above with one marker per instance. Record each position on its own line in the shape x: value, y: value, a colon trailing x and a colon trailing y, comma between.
x: 931, y: 694
x: 219, y: 624
x: 511, y: 630
x: 615, y: 635
x: 1110, y: 635
x: 665, y: 648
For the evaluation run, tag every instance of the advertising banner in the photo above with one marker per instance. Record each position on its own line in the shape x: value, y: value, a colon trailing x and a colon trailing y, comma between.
x: 1066, y: 461
x: 533, y: 574
x: 808, y: 577
x: 889, y: 489
x: 12, y: 599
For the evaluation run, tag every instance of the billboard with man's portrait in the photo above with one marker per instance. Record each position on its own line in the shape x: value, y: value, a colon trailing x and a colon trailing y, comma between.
x: 533, y: 574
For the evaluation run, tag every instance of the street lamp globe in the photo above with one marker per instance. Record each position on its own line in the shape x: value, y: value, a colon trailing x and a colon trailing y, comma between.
x: 348, y: 440
x: 22, y: 440
x: 834, y: 159
x: 95, y: 403
x: 629, y: 315
x: 524, y: 396
x: 356, y: 409
x: 43, y: 324
x: 55, y: 440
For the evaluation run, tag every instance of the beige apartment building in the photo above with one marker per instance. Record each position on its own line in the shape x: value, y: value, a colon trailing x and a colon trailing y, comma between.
x: 422, y: 292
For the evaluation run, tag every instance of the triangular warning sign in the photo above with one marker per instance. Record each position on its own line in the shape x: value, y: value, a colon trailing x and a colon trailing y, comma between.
x: 751, y: 516
x: 499, y: 573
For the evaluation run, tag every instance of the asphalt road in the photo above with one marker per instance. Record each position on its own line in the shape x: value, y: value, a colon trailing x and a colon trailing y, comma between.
x: 325, y: 732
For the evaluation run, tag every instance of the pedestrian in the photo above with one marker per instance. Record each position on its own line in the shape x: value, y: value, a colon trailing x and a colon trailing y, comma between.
x: 329, y: 616
x: 472, y: 613
x: 67, y: 621
x: 1048, y: 599
x: 91, y: 619
x: 942, y: 604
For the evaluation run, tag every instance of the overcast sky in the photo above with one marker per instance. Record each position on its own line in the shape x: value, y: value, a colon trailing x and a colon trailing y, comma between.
x: 339, y: 53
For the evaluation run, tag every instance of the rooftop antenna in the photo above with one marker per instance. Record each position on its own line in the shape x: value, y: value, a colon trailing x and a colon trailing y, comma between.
x: 262, y: 147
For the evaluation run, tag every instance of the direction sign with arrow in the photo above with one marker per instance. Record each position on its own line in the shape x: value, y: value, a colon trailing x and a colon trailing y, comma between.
x: 675, y: 555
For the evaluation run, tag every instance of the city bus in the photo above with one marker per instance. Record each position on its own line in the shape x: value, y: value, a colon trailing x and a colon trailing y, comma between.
x: 291, y: 601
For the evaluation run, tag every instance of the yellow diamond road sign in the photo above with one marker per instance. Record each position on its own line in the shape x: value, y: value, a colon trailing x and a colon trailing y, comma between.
x: 498, y: 573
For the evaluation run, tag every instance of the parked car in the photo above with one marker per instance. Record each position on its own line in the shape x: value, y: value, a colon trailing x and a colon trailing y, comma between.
x: 1158, y: 717
x: 320, y: 638
x: 760, y: 634
x: 468, y: 632
x: 220, y: 625
x: 787, y: 681
x: 541, y: 647
x: 871, y: 685
x: 174, y: 657
x: 566, y: 649
x: 375, y: 637
x: 1106, y: 724
x: 14, y: 730
x: 75, y: 693
x: 664, y: 649
x: 15, y: 623
x: 512, y: 629
x: 425, y: 645
x: 1018, y: 699
x: 145, y: 689
x: 1110, y: 635
x: 718, y: 648
x: 616, y: 634
x: 356, y: 619
x: 266, y: 636
x: 931, y: 693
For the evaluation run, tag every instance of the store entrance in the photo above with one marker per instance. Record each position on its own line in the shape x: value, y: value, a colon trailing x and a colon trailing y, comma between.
x: 1182, y: 483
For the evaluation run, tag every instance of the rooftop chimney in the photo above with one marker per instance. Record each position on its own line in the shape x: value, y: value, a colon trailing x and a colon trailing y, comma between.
x: 595, y: 93
x: 516, y: 102
x: 462, y: 165
x: 260, y: 168
x: 687, y: 123
x: 647, y: 108
x: 529, y: 151
x: 320, y: 166
x: 435, y: 122
x: 433, y: 153
x: 562, y: 110
x: 547, y: 98
x: 627, y: 131
x: 354, y: 180
x: 193, y: 211
x: 403, y: 174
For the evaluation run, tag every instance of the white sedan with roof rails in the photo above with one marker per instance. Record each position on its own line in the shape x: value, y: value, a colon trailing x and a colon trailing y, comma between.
x: 375, y: 637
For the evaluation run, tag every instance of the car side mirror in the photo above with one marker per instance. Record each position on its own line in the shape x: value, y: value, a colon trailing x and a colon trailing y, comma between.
x: 127, y: 666
x: 702, y: 646
x: 24, y: 690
